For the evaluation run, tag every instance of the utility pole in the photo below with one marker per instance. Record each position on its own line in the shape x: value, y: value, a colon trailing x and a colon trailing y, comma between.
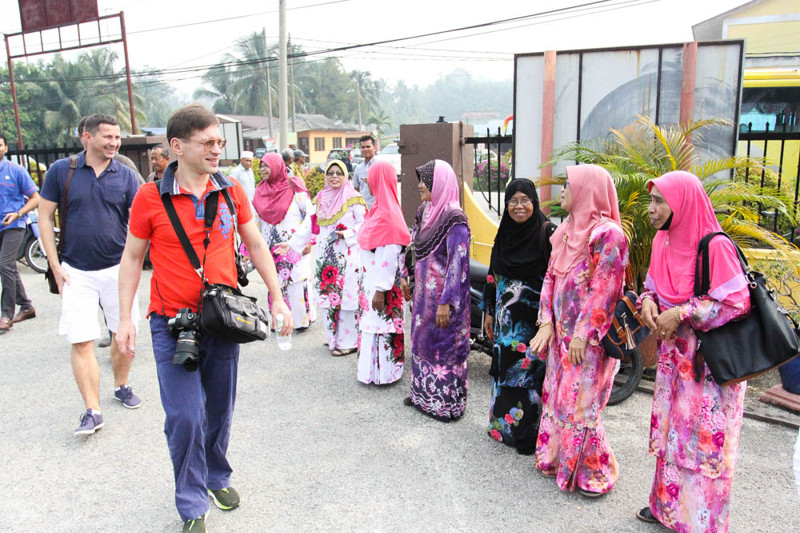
x: 294, y: 96
x: 269, y: 83
x: 283, y: 83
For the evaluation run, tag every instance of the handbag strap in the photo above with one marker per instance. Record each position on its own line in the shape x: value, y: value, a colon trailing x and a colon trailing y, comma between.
x: 62, y: 211
x: 702, y: 283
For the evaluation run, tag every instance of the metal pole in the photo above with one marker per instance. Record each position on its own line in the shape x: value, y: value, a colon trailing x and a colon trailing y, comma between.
x: 127, y: 71
x: 14, y: 95
x: 283, y: 103
x: 294, y: 96
x: 269, y: 84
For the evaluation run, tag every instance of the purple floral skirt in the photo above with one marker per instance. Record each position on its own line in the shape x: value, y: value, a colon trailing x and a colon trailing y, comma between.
x: 439, y: 390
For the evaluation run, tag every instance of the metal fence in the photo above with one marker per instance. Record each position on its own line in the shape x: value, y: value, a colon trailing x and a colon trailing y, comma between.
x: 780, y: 152
x: 37, y: 159
x: 492, y: 167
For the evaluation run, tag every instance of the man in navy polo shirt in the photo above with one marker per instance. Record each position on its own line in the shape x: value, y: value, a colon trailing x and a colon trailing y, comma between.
x: 98, y: 205
x: 18, y: 195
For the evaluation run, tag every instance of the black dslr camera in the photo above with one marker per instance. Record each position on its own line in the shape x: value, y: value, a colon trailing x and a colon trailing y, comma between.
x: 186, y: 326
x: 243, y: 267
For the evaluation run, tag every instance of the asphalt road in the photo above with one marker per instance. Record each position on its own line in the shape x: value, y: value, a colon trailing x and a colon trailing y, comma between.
x: 314, y: 450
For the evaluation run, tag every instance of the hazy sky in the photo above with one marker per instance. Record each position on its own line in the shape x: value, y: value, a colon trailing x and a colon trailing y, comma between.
x: 210, y: 29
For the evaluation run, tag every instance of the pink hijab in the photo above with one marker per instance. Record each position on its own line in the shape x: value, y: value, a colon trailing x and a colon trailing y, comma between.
x: 331, y: 202
x: 594, y: 200
x: 444, y: 196
x: 672, y: 263
x: 384, y: 223
x: 274, y: 195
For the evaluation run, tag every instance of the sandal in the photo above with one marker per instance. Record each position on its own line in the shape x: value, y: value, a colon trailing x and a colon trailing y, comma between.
x: 349, y: 351
x: 546, y: 474
x: 337, y: 352
x: 591, y: 494
x: 645, y: 515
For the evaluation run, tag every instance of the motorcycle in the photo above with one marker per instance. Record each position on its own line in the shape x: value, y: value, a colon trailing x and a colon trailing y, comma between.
x: 31, y: 249
x: 630, y: 370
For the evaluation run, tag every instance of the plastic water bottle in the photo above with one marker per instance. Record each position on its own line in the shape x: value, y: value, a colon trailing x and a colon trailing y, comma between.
x: 284, y: 341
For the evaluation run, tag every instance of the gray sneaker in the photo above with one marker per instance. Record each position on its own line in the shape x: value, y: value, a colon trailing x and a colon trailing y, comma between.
x: 197, y: 525
x: 127, y: 397
x: 90, y: 423
x: 104, y: 342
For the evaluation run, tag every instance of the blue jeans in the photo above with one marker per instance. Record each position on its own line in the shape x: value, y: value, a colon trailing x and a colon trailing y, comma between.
x: 199, y: 411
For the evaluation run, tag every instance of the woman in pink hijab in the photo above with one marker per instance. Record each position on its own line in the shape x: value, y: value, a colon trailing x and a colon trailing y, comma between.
x: 695, y: 425
x: 583, y: 283
x: 382, y: 239
x: 340, y: 212
x: 441, y: 310
x: 284, y: 208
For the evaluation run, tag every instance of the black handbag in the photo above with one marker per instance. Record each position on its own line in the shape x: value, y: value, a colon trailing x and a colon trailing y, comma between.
x: 224, y: 311
x: 49, y: 275
x: 627, y: 328
x: 764, y: 339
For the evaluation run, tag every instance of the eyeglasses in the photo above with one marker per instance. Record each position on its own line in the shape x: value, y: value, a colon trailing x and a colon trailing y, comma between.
x: 209, y: 144
x: 333, y: 173
x: 514, y: 202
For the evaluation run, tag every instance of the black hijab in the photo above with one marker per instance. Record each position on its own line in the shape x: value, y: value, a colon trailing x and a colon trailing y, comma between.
x: 522, y: 251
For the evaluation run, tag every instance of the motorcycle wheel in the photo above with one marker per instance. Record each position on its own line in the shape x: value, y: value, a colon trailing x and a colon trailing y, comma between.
x: 627, y: 379
x: 34, y: 256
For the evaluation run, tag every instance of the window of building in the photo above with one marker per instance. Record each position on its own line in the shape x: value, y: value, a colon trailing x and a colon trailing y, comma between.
x: 319, y: 144
x: 351, y: 141
x: 302, y: 143
x: 337, y: 142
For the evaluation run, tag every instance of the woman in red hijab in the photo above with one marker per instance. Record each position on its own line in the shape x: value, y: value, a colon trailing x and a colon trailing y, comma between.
x: 382, y: 238
x: 284, y: 207
x: 581, y: 288
x: 695, y: 425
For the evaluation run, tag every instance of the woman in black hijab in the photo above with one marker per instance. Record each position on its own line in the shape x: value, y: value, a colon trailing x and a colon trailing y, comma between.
x: 511, y: 302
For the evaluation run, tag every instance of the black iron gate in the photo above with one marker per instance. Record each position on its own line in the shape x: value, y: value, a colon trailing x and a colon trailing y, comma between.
x: 493, y: 167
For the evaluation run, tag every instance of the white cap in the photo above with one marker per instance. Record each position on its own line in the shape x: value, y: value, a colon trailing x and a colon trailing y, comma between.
x: 246, y: 155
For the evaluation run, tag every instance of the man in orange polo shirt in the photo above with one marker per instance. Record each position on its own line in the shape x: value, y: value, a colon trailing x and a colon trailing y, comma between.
x: 198, y: 404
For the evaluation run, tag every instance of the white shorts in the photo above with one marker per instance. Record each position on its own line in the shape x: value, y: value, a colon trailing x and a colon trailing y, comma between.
x: 80, y: 299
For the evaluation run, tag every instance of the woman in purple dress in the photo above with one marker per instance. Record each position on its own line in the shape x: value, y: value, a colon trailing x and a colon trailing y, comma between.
x: 440, y: 322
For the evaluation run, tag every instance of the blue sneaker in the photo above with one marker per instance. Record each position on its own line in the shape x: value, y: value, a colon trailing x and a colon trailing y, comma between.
x: 90, y: 423
x: 127, y: 397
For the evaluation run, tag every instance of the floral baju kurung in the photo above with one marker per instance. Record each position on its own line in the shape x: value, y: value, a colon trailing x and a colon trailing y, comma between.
x: 572, y: 443
x: 695, y: 426
x: 381, y: 354
x: 439, y: 355
x: 338, y: 265
x: 294, y: 229
x: 517, y: 375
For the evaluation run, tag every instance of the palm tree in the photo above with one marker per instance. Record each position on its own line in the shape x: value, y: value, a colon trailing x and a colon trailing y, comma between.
x: 380, y: 120
x: 643, y: 151
x: 365, y: 90
x: 219, y: 77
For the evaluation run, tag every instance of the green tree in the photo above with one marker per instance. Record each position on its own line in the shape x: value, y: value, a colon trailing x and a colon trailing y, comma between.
x: 220, y: 78
x: 643, y: 151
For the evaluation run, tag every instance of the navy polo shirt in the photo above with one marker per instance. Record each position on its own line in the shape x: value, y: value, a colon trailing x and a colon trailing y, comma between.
x: 16, y: 186
x: 97, y: 211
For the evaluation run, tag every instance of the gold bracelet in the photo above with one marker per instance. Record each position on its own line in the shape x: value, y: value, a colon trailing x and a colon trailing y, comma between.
x: 677, y: 314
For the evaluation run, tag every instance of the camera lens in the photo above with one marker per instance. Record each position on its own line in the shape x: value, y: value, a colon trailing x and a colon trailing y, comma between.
x: 187, y: 350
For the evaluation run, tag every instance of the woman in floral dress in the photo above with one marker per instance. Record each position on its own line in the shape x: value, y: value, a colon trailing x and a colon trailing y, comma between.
x: 340, y: 212
x: 382, y: 237
x: 284, y: 209
x: 695, y: 425
x: 583, y: 283
x: 441, y: 313
x: 511, y: 303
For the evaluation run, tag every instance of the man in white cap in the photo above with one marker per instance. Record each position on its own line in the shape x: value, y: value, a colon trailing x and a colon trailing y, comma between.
x: 244, y: 174
x: 299, y: 160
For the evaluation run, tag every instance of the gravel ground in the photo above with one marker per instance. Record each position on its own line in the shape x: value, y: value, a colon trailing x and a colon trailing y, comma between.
x: 314, y: 450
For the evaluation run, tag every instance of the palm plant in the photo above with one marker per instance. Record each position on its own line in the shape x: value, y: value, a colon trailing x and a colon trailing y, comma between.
x: 643, y: 151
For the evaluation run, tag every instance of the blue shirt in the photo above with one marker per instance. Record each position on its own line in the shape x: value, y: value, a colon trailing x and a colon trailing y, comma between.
x: 360, y: 182
x: 16, y: 186
x: 97, y: 211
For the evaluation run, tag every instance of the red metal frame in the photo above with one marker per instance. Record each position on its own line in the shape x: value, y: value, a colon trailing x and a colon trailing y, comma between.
x: 100, y: 40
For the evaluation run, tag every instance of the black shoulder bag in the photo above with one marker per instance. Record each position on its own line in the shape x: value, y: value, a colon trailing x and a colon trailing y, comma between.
x: 764, y: 339
x: 52, y: 285
x: 224, y: 311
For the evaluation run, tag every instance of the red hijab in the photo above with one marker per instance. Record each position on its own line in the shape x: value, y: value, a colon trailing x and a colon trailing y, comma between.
x: 672, y: 262
x: 594, y: 200
x: 384, y: 223
x: 274, y: 195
